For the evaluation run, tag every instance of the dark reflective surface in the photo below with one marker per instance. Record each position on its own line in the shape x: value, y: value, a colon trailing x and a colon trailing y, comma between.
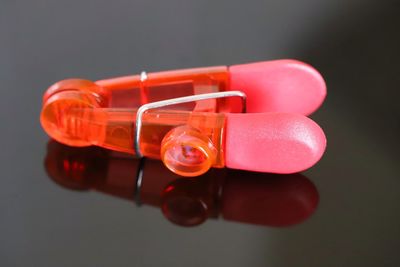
x: 353, y: 43
x: 248, y: 197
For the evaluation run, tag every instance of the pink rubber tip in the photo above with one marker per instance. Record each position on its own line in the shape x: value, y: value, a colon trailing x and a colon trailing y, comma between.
x: 279, y: 86
x: 272, y: 142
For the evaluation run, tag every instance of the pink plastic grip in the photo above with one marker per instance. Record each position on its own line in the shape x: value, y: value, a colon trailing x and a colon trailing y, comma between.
x: 272, y: 142
x: 279, y: 86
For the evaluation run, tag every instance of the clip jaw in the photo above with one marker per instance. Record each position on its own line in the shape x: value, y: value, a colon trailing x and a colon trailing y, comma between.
x: 185, y: 118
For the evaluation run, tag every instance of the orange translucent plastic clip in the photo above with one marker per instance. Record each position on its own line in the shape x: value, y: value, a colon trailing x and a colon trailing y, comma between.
x: 193, y: 119
x: 137, y: 115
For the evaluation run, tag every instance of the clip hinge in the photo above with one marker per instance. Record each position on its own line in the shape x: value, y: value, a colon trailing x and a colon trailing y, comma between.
x: 173, y: 101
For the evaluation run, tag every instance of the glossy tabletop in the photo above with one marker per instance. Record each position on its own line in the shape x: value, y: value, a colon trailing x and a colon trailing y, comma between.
x: 61, y: 206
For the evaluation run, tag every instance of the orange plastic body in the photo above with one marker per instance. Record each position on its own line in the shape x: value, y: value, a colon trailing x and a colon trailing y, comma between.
x: 187, y: 137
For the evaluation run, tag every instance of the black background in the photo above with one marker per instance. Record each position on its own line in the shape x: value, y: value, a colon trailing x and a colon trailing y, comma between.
x: 354, y: 44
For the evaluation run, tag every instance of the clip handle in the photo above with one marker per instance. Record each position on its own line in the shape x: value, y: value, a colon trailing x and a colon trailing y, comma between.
x: 189, y: 143
x: 82, y: 113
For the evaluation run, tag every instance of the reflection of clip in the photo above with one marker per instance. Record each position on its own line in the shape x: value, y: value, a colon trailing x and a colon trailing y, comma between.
x: 191, y: 119
x: 240, y: 196
x: 139, y: 181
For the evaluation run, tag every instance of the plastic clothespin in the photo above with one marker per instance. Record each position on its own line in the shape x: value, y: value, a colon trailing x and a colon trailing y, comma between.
x: 191, y: 120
